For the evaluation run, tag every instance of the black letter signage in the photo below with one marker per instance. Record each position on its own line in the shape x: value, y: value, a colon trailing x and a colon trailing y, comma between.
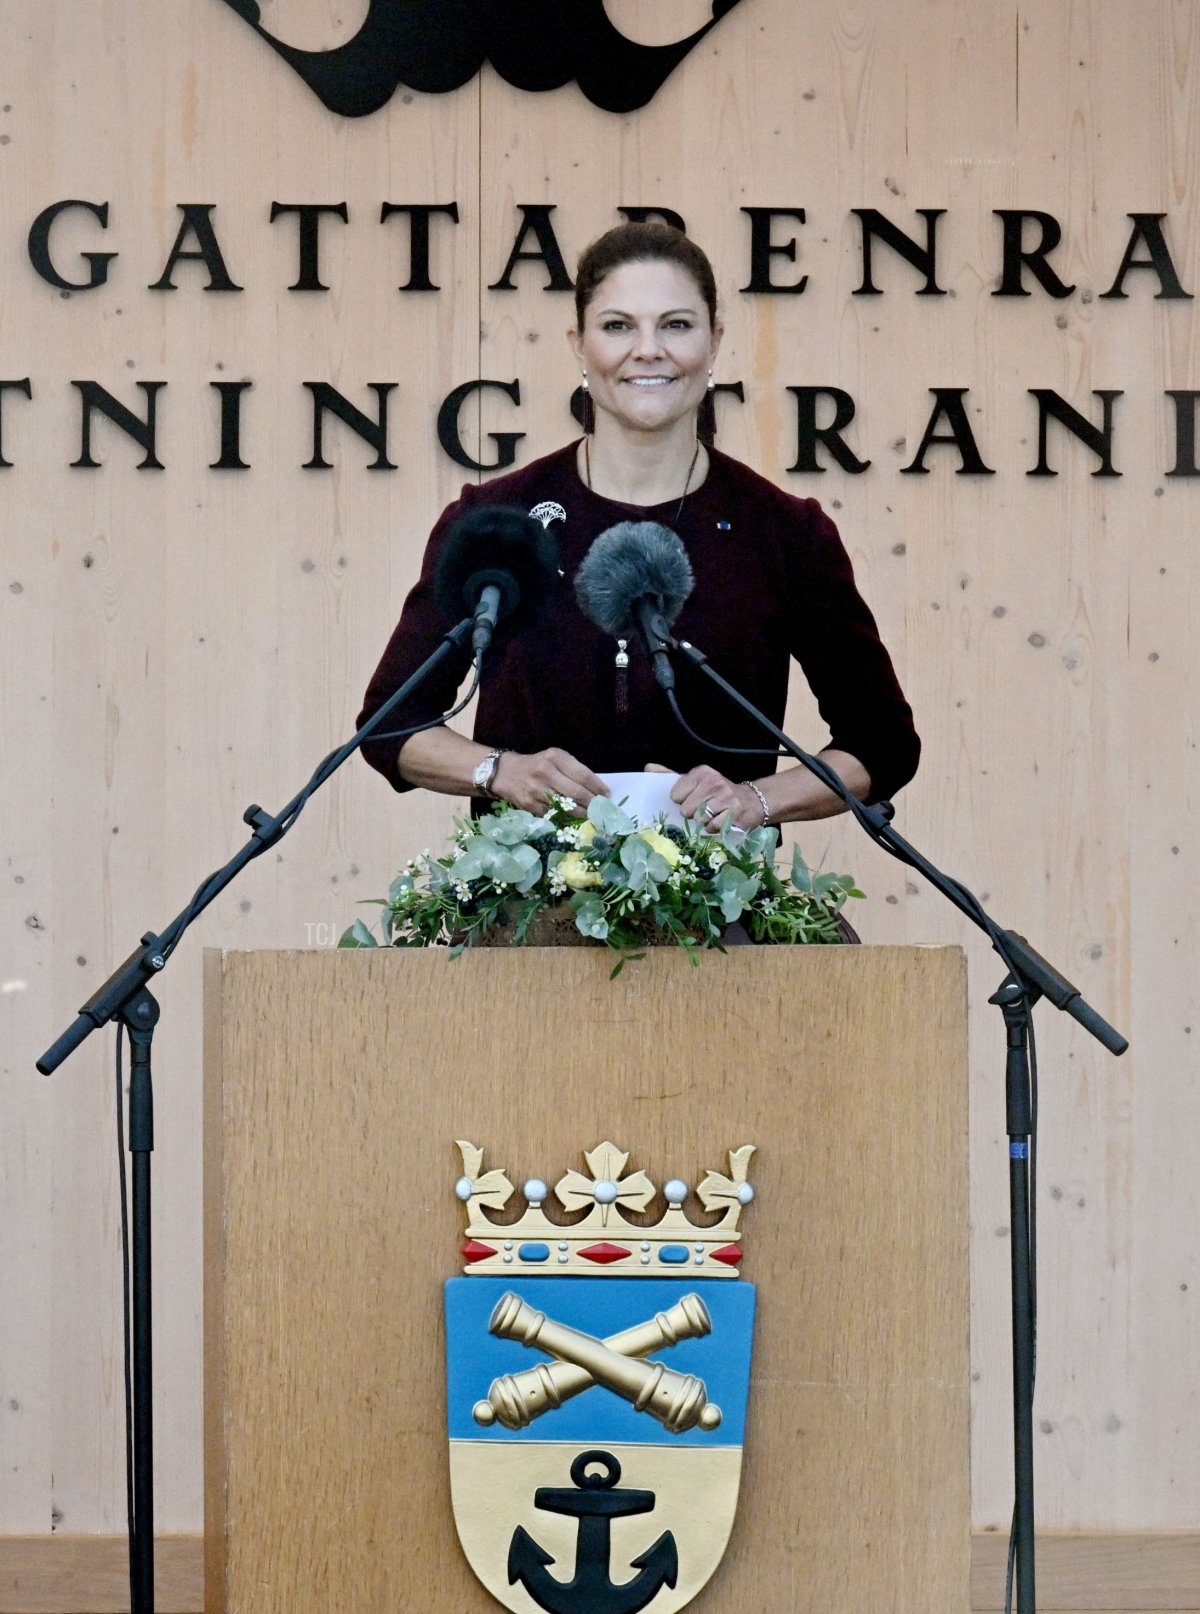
x: 1016, y: 254
x: 1097, y: 438
x: 448, y: 434
x: 418, y: 238
x: 308, y: 275
x: 1147, y: 227
x: 763, y: 249
x: 97, y: 399
x: 25, y: 386
x: 197, y: 221
x: 39, y: 248
x: 874, y: 224
x: 809, y: 434
x: 949, y: 402
x: 535, y: 217
x: 372, y: 432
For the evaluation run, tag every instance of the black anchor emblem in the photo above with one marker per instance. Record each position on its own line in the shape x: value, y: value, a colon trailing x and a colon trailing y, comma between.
x: 594, y: 1503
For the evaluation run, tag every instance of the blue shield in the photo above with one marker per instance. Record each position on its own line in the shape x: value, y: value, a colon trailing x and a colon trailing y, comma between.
x: 596, y: 1428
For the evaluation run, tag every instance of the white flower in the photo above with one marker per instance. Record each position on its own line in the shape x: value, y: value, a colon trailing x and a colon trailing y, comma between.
x: 715, y: 858
x: 567, y: 836
x: 567, y: 805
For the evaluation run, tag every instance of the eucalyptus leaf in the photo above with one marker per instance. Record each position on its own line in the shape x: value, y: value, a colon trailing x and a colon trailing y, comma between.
x: 638, y: 855
x: 761, y: 842
x: 609, y: 818
x: 589, y: 917
x: 473, y: 861
x: 357, y: 936
x: 735, y: 891
x: 518, y: 865
x: 509, y: 829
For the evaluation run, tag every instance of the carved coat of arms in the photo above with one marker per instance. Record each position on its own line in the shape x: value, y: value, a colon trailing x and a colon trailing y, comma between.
x: 597, y: 1385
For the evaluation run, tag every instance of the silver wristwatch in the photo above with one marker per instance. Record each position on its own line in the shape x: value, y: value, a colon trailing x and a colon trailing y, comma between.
x: 485, y: 772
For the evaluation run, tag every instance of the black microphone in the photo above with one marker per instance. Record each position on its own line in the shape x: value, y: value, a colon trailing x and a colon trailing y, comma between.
x: 637, y: 574
x: 501, y: 565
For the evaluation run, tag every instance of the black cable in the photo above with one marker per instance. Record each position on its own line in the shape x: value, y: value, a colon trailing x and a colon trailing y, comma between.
x: 436, y: 722
x: 726, y: 750
x: 125, y: 1310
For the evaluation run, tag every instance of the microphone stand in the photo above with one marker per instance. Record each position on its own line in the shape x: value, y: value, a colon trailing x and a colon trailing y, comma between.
x: 125, y: 997
x: 1029, y: 978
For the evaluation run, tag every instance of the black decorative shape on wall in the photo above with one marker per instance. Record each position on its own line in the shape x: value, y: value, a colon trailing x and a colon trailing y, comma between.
x: 439, y: 45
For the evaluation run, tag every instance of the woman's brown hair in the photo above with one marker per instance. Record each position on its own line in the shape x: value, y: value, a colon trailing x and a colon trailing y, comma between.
x: 642, y: 243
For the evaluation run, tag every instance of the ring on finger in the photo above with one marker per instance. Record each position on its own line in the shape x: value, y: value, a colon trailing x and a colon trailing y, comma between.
x: 708, y: 811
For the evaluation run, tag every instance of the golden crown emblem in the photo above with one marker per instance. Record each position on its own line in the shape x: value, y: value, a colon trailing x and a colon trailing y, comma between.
x: 603, y: 1240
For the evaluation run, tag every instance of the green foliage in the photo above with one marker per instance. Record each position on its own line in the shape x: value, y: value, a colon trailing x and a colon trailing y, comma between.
x: 627, y: 887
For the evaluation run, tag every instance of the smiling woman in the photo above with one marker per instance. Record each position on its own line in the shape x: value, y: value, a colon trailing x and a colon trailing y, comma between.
x: 647, y: 345
x: 565, y: 702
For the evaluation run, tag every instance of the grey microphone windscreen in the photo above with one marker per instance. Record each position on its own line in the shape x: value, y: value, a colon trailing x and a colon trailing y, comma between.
x: 635, y: 560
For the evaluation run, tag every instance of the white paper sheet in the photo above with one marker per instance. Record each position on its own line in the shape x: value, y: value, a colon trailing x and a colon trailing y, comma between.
x: 646, y: 797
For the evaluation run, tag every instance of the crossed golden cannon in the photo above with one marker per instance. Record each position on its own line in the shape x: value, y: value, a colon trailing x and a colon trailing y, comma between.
x: 679, y: 1401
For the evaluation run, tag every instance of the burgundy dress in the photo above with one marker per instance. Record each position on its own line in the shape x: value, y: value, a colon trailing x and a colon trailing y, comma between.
x: 773, y: 583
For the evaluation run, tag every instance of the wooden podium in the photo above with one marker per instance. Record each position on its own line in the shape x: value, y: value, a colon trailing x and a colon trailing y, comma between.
x: 335, y: 1086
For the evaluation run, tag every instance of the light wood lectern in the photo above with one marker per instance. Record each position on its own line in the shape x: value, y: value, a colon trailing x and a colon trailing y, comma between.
x: 335, y: 1086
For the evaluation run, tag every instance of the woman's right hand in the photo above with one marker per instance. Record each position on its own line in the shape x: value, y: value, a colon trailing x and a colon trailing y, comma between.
x: 529, y: 779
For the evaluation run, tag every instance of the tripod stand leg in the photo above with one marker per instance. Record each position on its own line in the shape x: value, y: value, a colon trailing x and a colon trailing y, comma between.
x: 140, y: 1018
x: 1014, y: 1004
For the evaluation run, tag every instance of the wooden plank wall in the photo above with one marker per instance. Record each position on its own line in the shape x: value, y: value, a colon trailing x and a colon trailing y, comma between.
x: 176, y: 644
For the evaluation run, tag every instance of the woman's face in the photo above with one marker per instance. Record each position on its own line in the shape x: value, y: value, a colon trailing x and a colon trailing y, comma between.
x: 647, y: 345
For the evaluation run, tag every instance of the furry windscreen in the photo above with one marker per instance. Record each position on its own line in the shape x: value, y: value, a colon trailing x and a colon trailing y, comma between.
x: 632, y: 561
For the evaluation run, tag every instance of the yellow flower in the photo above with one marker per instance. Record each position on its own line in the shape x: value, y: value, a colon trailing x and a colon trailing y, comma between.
x: 575, y: 872
x: 586, y: 833
x: 662, y: 844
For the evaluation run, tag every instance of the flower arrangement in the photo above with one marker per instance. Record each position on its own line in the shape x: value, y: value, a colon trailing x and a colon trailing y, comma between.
x: 628, y: 886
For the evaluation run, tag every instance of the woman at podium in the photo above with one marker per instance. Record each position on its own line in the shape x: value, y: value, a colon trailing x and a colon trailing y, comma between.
x: 566, y: 702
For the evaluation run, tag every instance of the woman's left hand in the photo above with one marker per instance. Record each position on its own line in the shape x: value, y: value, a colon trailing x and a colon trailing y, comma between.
x: 707, y: 795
